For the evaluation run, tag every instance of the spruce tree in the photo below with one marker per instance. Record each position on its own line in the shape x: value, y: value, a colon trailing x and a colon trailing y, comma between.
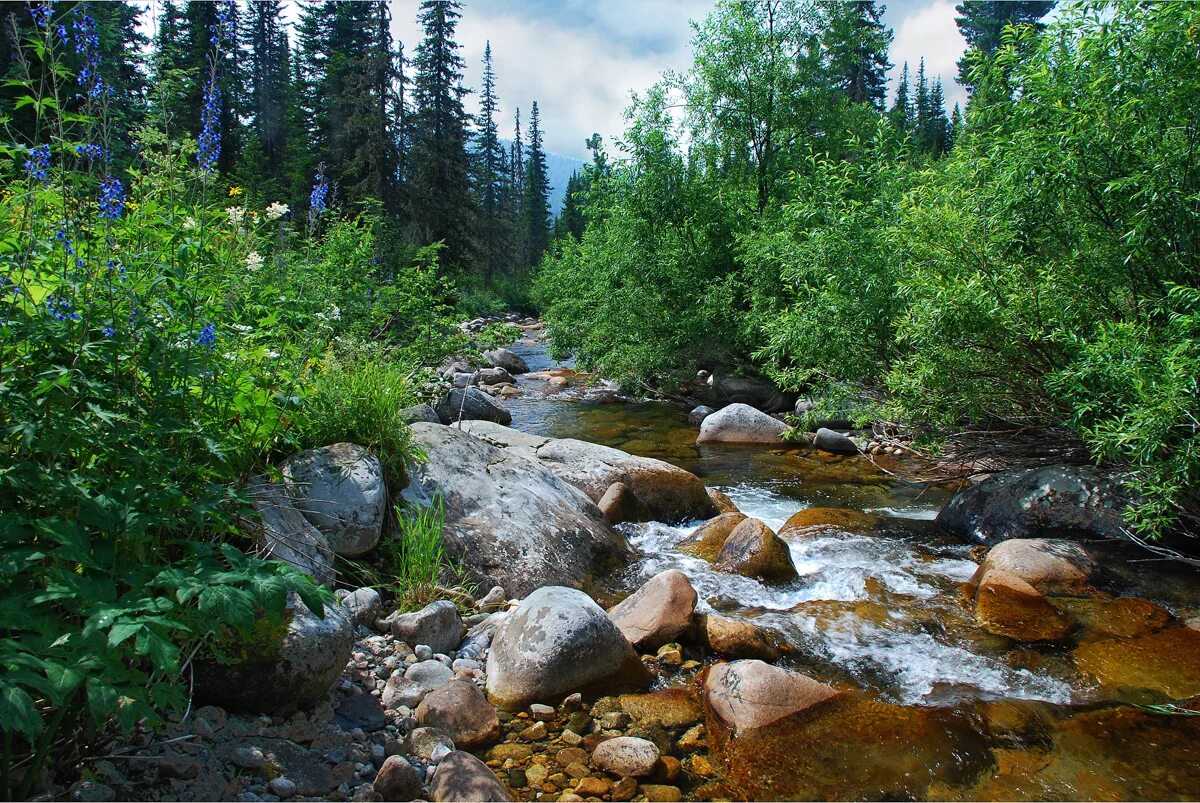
x: 982, y: 25
x: 902, y: 113
x: 937, y: 136
x: 490, y: 159
x: 536, y: 194
x: 270, y: 94
x: 922, y: 111
x: 443, y: 207
x: 857, y: 42
x: 572, y: 221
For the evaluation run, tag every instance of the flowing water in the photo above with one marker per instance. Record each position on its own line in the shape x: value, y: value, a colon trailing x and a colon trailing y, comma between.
x: 878, y: 612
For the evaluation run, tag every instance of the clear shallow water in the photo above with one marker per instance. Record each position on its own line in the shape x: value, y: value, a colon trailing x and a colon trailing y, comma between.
x: 877, y: 611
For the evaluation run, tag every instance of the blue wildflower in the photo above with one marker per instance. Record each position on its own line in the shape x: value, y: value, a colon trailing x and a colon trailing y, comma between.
x: 38, y: 163
x: 87, y: 44
x: 318, y: 200
x: 108, y: 331
x: 61, y: 30
x: 60, y: 308
x: 41, y: 14
x: 92, y: 152
x: 111, y: 198
x: 209, y: 140
x: 208, y: 337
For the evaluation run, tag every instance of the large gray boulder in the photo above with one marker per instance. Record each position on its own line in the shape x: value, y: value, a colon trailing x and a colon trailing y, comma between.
x: 292, y: 672
x: 470, y: 404
x: 556, y: 642
x: 509, y: 361
x: 828, y: 440
x: 509, y: 520
x: 667, y: 492
x: 740, y: 423
x: 283, y: 533
x: 1053, y: 501
x: 341, y: 491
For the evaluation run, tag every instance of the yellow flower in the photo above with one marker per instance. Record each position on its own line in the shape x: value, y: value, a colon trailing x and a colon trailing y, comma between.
x: 235, y: 192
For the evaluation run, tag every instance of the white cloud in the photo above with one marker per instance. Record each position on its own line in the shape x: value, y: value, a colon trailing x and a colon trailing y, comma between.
x: 929, y: 32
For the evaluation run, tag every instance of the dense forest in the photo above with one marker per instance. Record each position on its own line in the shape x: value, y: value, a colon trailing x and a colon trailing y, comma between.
x: 241, y: 237
x: 1031, y: 262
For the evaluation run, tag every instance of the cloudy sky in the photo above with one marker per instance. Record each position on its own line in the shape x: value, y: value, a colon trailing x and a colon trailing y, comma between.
x: 580, y: 59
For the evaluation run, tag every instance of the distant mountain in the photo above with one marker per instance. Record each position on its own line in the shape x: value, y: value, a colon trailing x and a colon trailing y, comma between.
x: 559, y: 169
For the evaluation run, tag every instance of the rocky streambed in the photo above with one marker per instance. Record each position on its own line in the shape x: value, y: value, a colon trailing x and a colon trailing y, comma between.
x: 757, y: 621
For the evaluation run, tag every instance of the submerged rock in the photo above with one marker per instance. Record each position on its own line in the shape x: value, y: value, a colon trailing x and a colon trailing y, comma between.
x: 558, y: 641
x: 741, y: 423
x: 341, y: 491
x: 1063, y: 501
x: 818, y: 520
x: 510, y: 521
x: 657, y: 612
x: 1006, y: 605
x: 1165, y: 663
x: 734, y: 638
x: 753, y: 550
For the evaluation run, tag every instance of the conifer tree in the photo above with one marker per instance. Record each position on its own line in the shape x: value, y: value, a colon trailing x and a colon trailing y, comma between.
x: 857, y: 42
x: 270, y: 95
x: 982, y: 25
x: 443, y: 207
x: 536, y: 193
x: 491, y: 178
x: 902, y: 112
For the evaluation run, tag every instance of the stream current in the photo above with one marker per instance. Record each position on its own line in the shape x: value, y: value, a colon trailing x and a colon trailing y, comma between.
x: 877, y: 611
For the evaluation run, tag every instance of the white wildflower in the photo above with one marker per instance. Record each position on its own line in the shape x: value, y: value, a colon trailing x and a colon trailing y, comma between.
x: 271, y: 354
x: 335, y: 314
x: 241, y: 327
x: 189, y: 224
x: 253, y: 261
x: 276, y: 211
x: 236, y: 215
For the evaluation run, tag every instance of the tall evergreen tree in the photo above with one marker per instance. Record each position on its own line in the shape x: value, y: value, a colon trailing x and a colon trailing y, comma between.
x: 857, y: 42
x: 922, y: 110
x: 270, y: 94
x: 443, y: 207
x: 491, y: 177
x: 571, y: 221
x: 982, y: 22
x: 937, y: 135
x: 536, y: 193
x: 901, y: 112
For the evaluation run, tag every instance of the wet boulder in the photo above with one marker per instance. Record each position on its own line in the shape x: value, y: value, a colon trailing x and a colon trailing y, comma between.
x: 1163, y: 664
x: 828, y: 440
x: 753, y: 550
x: 470, y: 404
x: 706, y: 540
x: 508, y: 360
x: 1006, y: 605
x: 1052, y: 566
x: 750, y: 694
x: 627, y: 756
x: 341, y: 491
x: 289, y: 671
x: 509, y: 520
x: 721, y: 501
x: 1053, y: 501
x: 556, y: 642
x: 669, y: 493
x: 819, y: 520
x: 734, y: 638
x: 658, y: 612
x: 741, y: 423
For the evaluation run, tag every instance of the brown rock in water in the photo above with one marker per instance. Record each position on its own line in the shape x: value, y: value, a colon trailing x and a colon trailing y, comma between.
x: 813, y: 520
x: 460, y: 710
x: 734, y: 638
x: 721, y: 502
x: 627, y: 755
x: 754, y: 550
x: 1006, y: 605
x: 657, y: 612
x: 592, y: 787
x: 619, y: 505
x: 1104, y: 617
x: 706, y: 540
x: 659, y: 793
x: 750, y: 694
x: 665, y: 708
x: 462, y: 777
x: 1166, y: 662
x: 1052, y: 566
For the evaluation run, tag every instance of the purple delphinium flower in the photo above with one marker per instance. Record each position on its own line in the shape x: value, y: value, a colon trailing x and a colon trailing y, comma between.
x: 41, y: 14
x: 60, y: 308
x: 92, y: 152
x: 209, y: 140
x: 38, y: 163
x: 208, y: 337
x: 87, y: 44
x: 111, y: 198
x: 318, y: 200
x: 108, y: 331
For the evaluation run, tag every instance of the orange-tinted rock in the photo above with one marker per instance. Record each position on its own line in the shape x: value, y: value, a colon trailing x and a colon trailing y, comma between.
x: 734, y: 638
x: 1105, y: 617
x: 754, y: 550
x: 1006, y: 605
x: 667, y: 708
x: 706, y: 540
x: 721, y: 502
x: 813, y: 520
x: 1052, y: 566
x: 619, y: 505
x: 749, y: 694
x: 1166, y: 663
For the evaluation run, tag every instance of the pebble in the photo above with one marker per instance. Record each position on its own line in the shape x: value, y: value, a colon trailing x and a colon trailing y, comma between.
x: 439, y: 752
x: 541, y: 713
x: 615, y: 720
x: 250, y: 758
x: 578, y: 770
x: 572, y: 702
x: 423, y: 652
x: 570, y: 737
x: 658, y: 793
x: 571, y: 755
x: 536, y: 774
x: 283, y: 787
x: 625, y: 788
x: 592, y: 787
x: 203, y: 729
x: 534, y: 733
x: 580, y: 722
